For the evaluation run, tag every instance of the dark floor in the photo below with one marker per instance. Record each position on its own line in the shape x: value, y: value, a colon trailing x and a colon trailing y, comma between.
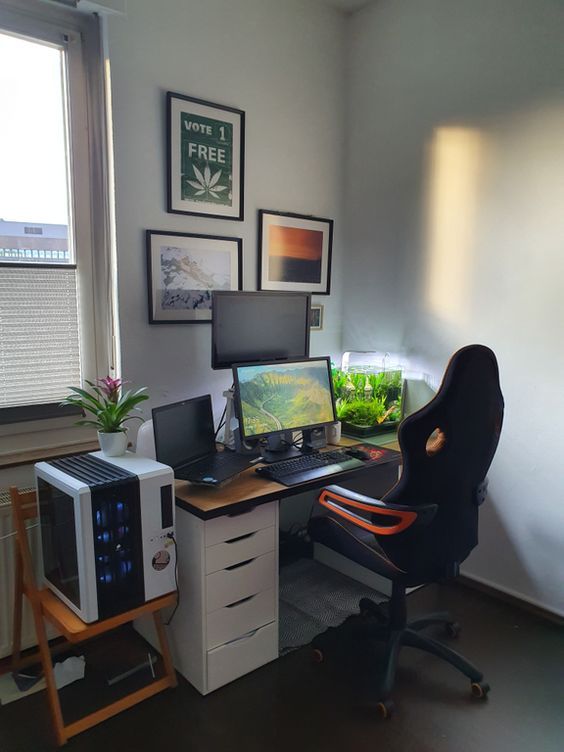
x: 294, y: 704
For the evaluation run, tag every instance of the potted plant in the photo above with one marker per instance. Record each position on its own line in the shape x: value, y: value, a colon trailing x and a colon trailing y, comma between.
x: 111, y: 406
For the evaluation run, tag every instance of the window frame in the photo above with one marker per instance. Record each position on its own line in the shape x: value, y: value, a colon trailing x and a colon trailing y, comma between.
x: 91, y: 190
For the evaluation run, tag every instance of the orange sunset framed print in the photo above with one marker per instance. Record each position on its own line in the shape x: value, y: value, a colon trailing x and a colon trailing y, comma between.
x: 294, y: 252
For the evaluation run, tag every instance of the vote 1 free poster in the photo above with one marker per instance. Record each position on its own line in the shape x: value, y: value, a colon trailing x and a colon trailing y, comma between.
x: 205, y: 158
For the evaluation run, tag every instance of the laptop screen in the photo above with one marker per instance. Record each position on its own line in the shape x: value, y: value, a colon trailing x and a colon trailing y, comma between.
x: 184, y: 431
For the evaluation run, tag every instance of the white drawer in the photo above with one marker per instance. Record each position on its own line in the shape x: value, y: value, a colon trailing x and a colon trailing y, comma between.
x: 226, y: 527
x: 230, y: 585
x: 240, y: 656
x: 240, y: 617
x: 239, y: 549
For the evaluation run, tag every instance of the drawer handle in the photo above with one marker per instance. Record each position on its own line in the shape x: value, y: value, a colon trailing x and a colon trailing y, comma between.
x: 240, y: 537
x: 244, y: 637
x: 241, y: 564
x: 239, y: 602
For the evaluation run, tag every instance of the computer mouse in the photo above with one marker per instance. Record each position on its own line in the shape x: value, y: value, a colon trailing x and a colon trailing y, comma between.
x: 359, y: 454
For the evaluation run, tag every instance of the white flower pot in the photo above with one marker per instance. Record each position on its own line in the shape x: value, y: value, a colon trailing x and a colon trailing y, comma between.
x: 113, y: 444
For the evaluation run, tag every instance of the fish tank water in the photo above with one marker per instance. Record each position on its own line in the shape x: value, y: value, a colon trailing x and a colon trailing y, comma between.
x: 368, y: 393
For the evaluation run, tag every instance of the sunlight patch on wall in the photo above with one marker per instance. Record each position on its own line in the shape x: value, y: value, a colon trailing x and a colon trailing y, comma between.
x: 455, y: 164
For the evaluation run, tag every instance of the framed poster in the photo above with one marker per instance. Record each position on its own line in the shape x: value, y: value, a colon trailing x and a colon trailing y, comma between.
x: 294, y: 252
x: 183, y: 269
x: 316, y: 317
x: 205, y: 158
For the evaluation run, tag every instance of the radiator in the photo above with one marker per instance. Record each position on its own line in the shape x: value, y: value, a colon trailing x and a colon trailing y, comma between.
x: 7, y: 575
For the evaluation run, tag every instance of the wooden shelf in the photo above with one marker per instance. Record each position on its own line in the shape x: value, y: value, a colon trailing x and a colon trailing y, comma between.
x: 76, y: 630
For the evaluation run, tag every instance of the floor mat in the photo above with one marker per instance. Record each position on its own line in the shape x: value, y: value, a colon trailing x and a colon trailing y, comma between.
x: 314, y: 597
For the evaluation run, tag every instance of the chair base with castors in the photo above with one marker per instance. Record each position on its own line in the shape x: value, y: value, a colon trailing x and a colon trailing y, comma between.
x: 396, y: 631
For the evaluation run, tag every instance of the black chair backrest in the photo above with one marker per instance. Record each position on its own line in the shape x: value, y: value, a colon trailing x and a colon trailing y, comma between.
x: 447, y: 449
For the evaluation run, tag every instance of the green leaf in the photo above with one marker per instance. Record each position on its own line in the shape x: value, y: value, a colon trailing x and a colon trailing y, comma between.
x: 109, y: 414
x: 94, y: 423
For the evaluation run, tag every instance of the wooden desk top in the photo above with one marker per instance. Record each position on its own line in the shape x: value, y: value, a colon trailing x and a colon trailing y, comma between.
x: 249, y: 489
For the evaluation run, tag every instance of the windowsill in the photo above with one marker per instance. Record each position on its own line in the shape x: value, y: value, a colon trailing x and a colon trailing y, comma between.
x: 31, y: 456
x: 47, y: 440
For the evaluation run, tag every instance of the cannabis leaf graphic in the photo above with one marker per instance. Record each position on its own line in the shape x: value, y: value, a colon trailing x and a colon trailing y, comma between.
x: 206, y: 183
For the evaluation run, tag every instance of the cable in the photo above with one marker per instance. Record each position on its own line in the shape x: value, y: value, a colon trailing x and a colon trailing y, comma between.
x: 171, y: 617
x: 221, y: 421
x: 298, y: 443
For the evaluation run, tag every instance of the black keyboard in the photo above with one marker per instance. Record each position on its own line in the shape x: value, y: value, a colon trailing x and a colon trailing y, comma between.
x: 308, y: 467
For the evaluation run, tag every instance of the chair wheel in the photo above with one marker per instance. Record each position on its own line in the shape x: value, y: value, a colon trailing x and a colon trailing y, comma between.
x: 386, y: 709
x: 480, y: 689
x: 453, y: 629
x: 317, y: 655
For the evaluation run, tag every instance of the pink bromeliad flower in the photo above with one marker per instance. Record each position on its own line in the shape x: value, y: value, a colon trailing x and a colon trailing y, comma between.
x: 110, y: 387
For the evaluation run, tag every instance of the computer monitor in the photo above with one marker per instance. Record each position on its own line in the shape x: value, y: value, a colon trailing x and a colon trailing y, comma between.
x: 273, y: 398
x: 259, y: 326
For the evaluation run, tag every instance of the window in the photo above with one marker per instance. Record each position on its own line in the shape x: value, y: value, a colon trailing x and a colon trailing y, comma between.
x: 56, y: 296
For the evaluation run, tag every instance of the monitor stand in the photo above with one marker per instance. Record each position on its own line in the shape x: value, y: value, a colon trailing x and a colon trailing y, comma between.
x: 275, y: 448
x: 231, y: 422
x: 231, y: 435
x: 278, y: 447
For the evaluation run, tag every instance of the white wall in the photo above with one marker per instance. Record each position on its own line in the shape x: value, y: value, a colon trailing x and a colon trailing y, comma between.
x: 455, y: 188
x: 282, y: 63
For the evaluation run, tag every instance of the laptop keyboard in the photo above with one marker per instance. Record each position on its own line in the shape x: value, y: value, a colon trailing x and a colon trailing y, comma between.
x: 221, y: 463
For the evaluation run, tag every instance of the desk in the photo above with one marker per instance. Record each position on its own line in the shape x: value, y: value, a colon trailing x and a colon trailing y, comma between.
x: 249, y: 489
x: 226, y: 624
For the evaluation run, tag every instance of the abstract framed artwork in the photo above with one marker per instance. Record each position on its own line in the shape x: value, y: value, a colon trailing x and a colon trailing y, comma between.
x: 316, y: 317
x: 184, y: 268
x: 294, y: 252
x: 205, y: 158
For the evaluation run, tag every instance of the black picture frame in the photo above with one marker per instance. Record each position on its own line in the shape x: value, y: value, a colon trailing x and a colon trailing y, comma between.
x: 202, y: 155
x: 181, y: 305
x: 310, y: 237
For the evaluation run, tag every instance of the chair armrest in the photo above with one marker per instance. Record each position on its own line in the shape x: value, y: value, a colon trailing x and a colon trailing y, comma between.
x: 337, y: 499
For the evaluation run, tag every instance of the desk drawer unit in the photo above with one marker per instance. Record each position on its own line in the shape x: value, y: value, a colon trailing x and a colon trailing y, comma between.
x: 231, y: 526
x: 236, y: 658
x: 240, y: 581
x: 227, y: 620
x: 241, y: 548
x: 241, y: 617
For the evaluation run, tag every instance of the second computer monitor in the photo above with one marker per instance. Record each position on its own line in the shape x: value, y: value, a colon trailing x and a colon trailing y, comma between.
x: 278, y: 397
x: 253, y: 326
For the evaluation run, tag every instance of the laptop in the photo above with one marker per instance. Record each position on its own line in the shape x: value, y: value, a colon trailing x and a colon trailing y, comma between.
x: 185, y: 440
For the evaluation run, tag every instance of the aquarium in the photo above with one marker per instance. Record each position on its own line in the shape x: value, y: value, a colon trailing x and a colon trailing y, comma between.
x: 368, y: 398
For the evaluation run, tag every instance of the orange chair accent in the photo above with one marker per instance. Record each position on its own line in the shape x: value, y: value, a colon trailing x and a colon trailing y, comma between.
x: 405, y: 518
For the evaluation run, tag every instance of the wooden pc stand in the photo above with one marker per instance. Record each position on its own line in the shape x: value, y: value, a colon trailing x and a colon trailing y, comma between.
x: 46, y: 605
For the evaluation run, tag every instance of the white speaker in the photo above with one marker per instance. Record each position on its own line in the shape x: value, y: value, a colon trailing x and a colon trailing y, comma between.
x: 146, y: 441
x: 333, y: 432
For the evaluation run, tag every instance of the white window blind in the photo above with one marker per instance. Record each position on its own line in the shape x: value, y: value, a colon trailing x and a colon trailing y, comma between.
x: 56, y: 326
x: 39, y: 335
